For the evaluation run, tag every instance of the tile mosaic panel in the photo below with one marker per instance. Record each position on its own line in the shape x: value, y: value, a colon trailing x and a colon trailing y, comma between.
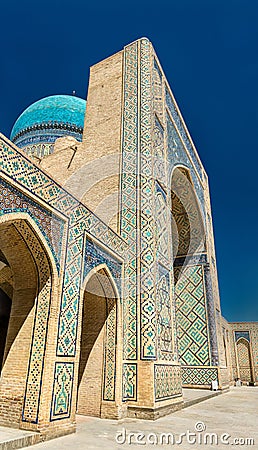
x: 167, y: 381
x: 62, y: 390
x: 164, y: 313
x: 161, y: 225
x: 199, y: 375
x: 244, y: 360
x: 129, y: 382
x: 147, y: 187
x: 68, y: 318
x: 193, y: 259
x: 110, y: 351
x: 213, y: 316
x: 129, y: 199
x: 238, y: 331
x: 192, y: 332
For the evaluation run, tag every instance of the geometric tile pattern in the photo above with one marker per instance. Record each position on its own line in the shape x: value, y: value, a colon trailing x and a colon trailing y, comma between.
x: 72, y: 279
x: 212, y: 314
x: 130, y: 382
x: 161, y: 216
x: 166, y: 339
x: 110, y: 352
x: 167, y: 381
x: 68, y: 317
x: 199, y: 375
x: 191, y: 317
x: 191, y: 259
x: 129, y: 197
x: 164, y: 315
x: 147, y: 271
x: 62, y: 390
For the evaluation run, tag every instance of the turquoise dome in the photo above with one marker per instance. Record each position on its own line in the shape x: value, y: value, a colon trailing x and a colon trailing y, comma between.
x: 55, y: 110
x: 46, y: 120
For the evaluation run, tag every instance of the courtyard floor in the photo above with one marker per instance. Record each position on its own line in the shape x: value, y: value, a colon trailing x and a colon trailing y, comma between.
x: 231, y: 417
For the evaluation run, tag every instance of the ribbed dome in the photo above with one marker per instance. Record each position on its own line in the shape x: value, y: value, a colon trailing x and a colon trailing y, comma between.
x: 48, y: 119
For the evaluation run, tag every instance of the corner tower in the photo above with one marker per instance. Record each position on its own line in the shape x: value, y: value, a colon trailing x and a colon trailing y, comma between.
x: 148, y: 179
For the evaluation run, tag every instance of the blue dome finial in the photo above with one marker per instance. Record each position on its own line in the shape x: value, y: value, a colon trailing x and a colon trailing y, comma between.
x: 37, y: 128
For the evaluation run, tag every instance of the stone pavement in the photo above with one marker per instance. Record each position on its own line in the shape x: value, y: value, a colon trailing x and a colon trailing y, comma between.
x: 12, y: 438
x: 193, y: 396
x: 234, y: 413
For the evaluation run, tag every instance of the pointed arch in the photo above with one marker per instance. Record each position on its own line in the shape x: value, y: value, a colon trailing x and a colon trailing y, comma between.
x: 244, y: 359
x: 188, y: 229
x: 189, y: 248
x: 97, y: 379
x: 27, y: 272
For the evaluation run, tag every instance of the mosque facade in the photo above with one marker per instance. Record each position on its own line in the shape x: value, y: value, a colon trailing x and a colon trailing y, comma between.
x: 109, y: 298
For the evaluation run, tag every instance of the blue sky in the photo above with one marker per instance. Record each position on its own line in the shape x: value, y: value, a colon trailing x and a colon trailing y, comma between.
x: 208, y: 50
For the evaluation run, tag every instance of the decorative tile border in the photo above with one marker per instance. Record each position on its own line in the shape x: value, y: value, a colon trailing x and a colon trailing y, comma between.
x: 129, y: 197
x: 147, y: 188
x: 167, y: 381
x: 164, y: 314
x: 110, y: 351
x: 199, y: 375
x: 192, y: 332
x: 130, y: 381
x: 62, y: 390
